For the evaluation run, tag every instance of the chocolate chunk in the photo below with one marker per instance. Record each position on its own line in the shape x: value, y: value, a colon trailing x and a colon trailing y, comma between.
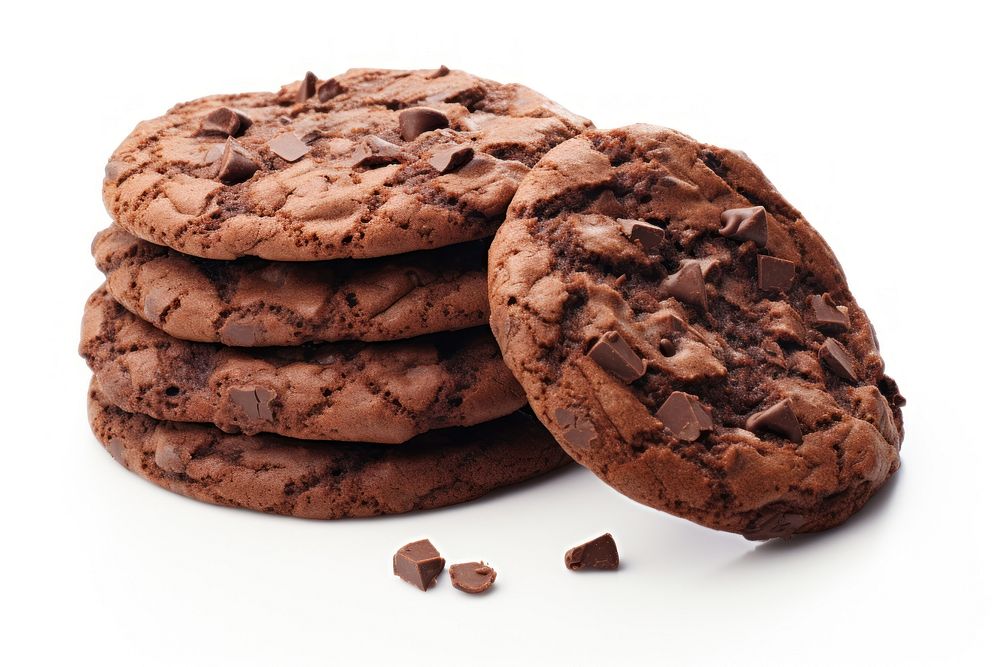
x: 648, y: 236
x: 439, y: 72
x: 774, y: 524
x: 600, y: 553
x: 779, y: 419
x: 472, y: 577
x: 825, y: 315
x: 775, y: 274
x: 237, y: 165
x: 451, y: 159
x: 667, y: 347
x: 837, y: 359
x: 614, y: 355
x: 687, y: 285
x: 307, y: 88
x: 745, y: 224
x: 255, y: 403
x: 375, y: 152
x: 329, y: 89
x: 418, y: 563
x: 578, y: 431
x: 288, y: 147
x: 225, y: 122
x: 414, y: 122
x: 684, y: 416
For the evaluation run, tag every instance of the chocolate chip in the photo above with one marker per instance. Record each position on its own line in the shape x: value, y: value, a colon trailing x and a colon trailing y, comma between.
x: 837, y: 359
x: 255, y: 403
x: 774, y: 524
x: 414, y: 122
x: 238, y: 334
x: 826, y: 316
x: 648, y: 236
x: 329, y: 89
x: 308, y: 134
x: 667, y: 347
x: 375, y: 152
x: 439, y: 72
x: 687, y: 285
x: 472, y: 578
x: 600, y: 553
x: 237, y: 165
x: 225, y: 122
x: 307, y: 88
x: 288, y: 147
x: 614, y: 355
x: 116, y: 447
x: 775, y: 274
x: 418, y: 563
x: 745, y: 224
x: 779, y: 419
x: 578, y: 431
x: 684, y: 416
x: 451, y: 159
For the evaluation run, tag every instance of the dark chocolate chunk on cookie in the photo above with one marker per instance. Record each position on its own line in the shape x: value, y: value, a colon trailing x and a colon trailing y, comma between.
x: 740, y: 385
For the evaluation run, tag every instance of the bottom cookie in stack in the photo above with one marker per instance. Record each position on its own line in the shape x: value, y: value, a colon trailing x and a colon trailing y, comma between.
x: 323, y: 479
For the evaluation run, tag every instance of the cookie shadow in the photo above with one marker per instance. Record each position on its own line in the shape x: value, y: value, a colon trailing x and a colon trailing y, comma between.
x: 779, y: 548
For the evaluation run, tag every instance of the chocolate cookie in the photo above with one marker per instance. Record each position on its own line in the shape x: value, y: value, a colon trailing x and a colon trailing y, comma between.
x: 256, y: 302
x: 371, y: 392
x: 685, y: 333
x: 366, y: 164
x: 321, y: 480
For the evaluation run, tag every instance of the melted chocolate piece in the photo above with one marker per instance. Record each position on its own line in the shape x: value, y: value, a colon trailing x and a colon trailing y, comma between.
x: 648, y: 236
x: 472, y: 578
x: 225, y: 122
x: 451, y: 159
x: 415, y: 121
x: 614, y: 355
x: 687, y: 285
x: 775, y: 274
x: 577, y: 430
x: 745, y: 224
x: 329, y: 89
x: 837, y: 359
x: 418, y: 563
x: 825, y: 316
x: 307, y: 88
x: 255, y: 402
x: 779, y: 419
x: 600, y: 553
x: 237, y: 165
x: 684, y: 416
x: 375, y: 152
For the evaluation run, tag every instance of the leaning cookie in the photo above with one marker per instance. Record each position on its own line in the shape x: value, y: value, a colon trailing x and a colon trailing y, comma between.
x: 369, y: 392
x: 255, y: 302
x: 320, y: 480
x: 365, y: 164
x: 689, y: 337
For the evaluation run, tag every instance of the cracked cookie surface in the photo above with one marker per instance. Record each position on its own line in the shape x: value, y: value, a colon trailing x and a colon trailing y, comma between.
x: 368, y: 392
x: 253, y: 302
x: 365, y: 164
x: 322, y: 480
x: 689, y: 337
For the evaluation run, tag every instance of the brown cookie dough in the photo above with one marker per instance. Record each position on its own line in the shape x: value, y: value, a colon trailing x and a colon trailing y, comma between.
x: 325, y: 480
x: 370, y: 392
x: 256, y: 302
x: 366, y: 164
x: 685, y: 334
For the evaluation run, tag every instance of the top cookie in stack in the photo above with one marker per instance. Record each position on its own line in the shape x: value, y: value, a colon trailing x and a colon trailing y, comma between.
x: 311, y: 263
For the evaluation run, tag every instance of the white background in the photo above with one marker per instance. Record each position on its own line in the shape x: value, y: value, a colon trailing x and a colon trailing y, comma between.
x: 878, y: 123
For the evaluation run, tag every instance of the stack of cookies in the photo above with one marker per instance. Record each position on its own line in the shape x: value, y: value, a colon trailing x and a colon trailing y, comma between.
x: 294, y: 313
x: 293, y: 272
